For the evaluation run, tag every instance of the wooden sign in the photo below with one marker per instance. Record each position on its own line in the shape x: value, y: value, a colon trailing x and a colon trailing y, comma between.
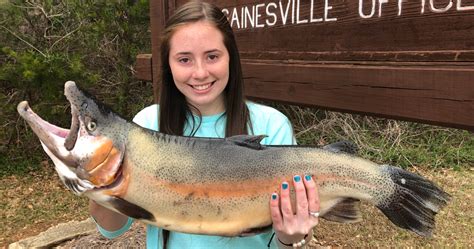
x: 403, y: 59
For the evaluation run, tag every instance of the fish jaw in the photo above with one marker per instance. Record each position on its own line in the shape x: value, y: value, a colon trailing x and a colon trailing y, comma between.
x: 51, y: 136
x: 52, y: 139
x: 67, y: 175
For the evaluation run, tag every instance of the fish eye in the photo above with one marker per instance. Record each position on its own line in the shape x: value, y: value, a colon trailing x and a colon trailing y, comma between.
x: 91, y: 126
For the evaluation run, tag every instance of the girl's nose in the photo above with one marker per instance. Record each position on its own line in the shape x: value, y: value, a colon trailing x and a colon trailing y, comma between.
x: 200, y: 71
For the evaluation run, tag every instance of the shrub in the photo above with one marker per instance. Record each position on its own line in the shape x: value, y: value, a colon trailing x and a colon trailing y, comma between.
x: 46, y: 43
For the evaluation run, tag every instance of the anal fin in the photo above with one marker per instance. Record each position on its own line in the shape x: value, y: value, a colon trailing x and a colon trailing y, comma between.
x: 346, y: 211
x: 255, y: 231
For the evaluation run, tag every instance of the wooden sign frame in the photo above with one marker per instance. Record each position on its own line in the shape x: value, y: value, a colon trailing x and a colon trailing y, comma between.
x: 401, y: 59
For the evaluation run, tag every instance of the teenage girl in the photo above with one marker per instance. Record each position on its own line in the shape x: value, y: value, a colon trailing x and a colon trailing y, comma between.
x: 202, y: 96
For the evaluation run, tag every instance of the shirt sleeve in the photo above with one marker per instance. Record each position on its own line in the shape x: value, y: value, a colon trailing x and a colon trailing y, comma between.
x: 114, y: 234
x: 279, y: 131
x: 269, y: 121
x: 148, y: 117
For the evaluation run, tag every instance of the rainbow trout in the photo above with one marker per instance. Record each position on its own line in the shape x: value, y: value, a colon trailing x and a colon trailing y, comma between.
x: 218, y: 186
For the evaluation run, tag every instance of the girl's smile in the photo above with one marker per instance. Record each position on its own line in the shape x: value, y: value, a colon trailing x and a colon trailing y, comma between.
x: 204, y: 88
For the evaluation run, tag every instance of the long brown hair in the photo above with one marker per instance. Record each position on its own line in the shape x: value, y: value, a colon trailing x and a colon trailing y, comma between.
x: 174, y: 108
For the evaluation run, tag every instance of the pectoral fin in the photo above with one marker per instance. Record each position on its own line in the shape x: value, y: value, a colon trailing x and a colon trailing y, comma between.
x: 130, y: 209
x: 346, y: 211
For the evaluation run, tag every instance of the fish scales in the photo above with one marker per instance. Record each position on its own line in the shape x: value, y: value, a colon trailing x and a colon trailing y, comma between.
x: 211, y: 175
x: 218, y: 186
x: 213, y: 159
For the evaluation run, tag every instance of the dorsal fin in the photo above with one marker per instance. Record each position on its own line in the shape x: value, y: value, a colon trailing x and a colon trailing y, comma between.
x: 346, y: 211
x: 342, y: 147
x: 249, y: 141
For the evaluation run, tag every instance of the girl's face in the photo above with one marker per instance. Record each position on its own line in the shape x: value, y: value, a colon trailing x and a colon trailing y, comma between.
x: 199, y: 63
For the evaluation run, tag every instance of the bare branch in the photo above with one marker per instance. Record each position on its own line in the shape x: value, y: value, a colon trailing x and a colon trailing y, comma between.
x: 27, y: 43
x: 64, y: 37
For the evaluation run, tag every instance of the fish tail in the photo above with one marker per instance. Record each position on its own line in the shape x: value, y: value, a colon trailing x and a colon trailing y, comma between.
x: 414, y: 203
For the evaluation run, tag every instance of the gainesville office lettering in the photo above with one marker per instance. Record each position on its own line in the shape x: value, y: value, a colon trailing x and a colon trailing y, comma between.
x: 297, y: 12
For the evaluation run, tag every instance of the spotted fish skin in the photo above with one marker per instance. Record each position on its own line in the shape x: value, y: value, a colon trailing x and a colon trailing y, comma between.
x: 220, y: 186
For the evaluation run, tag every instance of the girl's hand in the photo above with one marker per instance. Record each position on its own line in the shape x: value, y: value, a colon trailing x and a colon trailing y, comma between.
x: 289, y: 227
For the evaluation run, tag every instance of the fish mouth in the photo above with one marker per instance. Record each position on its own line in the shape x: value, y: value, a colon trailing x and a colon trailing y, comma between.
x: 92, y: 160
x: 52, y: 139
x: 51, y: 136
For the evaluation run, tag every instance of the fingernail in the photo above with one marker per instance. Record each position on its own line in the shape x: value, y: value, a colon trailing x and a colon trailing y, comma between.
x: 297, y: 178
x: 307, y: 177
x: 284, y: 185
x: 274, y: 196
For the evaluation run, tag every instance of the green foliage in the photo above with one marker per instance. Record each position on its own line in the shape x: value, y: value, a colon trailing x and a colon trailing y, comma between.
x: 43, y: 44
x: 29, y: 72
x: 18, y: 167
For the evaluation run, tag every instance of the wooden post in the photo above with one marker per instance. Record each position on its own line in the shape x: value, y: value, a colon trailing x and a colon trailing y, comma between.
x: 159, y: 13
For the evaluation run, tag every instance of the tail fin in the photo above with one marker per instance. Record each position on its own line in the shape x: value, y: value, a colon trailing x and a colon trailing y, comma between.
x: 415, y: 202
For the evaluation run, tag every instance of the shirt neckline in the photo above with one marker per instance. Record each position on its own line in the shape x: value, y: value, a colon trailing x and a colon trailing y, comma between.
x: 208, y: 118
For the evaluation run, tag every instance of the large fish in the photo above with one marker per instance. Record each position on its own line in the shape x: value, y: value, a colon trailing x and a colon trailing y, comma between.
x: 218, y: 186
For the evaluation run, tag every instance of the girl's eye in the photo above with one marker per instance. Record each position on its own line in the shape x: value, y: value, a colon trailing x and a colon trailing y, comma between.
x: 184, y: 60
x: 213, y: 57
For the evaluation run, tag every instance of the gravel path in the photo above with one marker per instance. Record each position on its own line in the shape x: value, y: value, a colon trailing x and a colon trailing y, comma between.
x: 134, y: 238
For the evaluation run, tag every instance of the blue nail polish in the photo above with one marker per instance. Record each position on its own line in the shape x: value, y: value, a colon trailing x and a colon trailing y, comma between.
x: 284, y: 185
x: 307, y: 177
x: 274, y: 196
x: 297, y: 178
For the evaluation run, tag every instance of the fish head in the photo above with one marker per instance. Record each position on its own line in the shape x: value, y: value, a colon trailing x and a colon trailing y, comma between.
x: 89, y: 155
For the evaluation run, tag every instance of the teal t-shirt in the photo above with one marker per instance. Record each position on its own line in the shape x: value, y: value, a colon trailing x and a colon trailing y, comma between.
x: 265, y: 121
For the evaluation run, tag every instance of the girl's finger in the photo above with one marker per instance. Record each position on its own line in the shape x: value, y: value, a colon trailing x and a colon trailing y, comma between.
x: 275, y: 212
x: 312, y: 194
x: 285, y: 204
x: 301, y: 199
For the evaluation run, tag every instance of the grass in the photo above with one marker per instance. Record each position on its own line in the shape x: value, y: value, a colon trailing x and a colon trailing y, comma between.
x: 33, y: 200
x: 30, y: 203
x: 399, y: 143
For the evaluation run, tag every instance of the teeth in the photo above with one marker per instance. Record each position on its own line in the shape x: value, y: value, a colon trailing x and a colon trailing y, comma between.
x: 202, y: 87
